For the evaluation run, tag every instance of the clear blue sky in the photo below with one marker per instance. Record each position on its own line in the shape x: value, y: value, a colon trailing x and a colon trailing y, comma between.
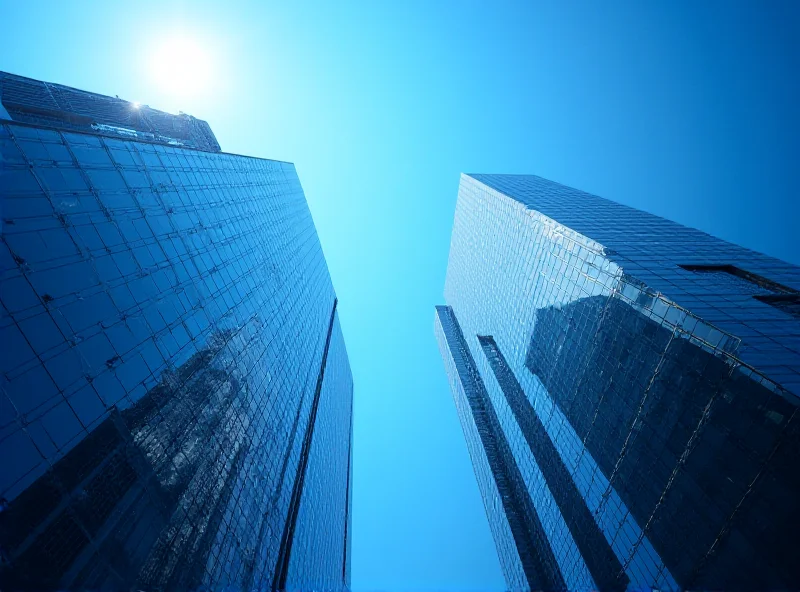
x: 688, y: 110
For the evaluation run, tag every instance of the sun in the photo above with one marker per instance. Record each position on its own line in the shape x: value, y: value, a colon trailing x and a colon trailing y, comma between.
x: 181, y: 66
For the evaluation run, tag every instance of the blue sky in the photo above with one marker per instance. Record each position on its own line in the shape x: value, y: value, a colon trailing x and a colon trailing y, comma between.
x: 688, y: 110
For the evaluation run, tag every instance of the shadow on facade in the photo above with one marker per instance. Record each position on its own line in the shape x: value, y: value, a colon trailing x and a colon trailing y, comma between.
x: 703, y: 455
x: 141, y: 498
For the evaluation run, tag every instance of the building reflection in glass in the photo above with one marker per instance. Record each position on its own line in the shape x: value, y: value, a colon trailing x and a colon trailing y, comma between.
x: 175, y: 392
x: 139, y: 495
x: 628, y: 390
x: 700, y: 452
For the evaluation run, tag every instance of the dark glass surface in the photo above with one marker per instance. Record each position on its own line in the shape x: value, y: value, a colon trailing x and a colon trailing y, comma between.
x: 691, y: 445
x: 173, y: 372
x: 644, y: 376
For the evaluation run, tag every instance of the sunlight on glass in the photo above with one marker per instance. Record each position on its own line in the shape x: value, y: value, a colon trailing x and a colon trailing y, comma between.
x: 181, y: 66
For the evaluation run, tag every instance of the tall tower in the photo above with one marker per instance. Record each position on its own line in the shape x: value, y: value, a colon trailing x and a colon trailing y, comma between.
x: 628, y: 390
x: 176, y: 398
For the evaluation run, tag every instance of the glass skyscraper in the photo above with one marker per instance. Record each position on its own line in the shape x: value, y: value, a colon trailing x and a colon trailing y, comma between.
x: 628, y: 389
x: 176, y: 397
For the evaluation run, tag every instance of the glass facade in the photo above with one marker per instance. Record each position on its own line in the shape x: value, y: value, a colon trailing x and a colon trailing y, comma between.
x: 55, y: 105
x: 628, y: 389
x: 175, y: 393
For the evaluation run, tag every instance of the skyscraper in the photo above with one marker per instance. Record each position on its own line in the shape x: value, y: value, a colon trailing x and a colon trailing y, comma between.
x: 176, y: 406
x: 628, y: 389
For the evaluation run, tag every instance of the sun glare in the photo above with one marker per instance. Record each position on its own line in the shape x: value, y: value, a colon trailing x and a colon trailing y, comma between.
x: 181, y: 66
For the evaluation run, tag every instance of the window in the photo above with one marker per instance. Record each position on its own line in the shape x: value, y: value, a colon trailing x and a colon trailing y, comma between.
x: 762, y: 289
x: 788, y: 303
x: 753, y: 278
